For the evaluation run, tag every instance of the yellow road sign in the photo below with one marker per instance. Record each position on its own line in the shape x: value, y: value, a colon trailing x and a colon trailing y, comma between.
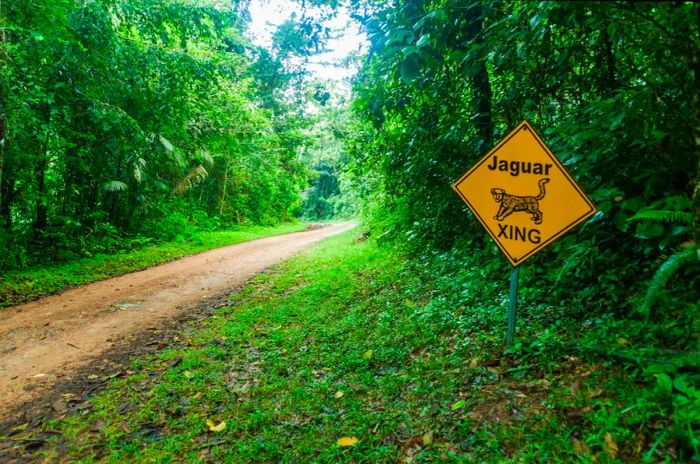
x: 522, y: 195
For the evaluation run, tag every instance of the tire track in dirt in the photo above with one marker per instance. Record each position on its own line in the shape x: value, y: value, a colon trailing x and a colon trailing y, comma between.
x: 44, y: 341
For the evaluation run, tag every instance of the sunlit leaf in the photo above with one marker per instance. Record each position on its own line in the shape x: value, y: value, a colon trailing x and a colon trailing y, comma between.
x: 216, y: 427
x: 347, y: 441
x: 114, y: 186
x: 166, y: 143
x: 458, y: 405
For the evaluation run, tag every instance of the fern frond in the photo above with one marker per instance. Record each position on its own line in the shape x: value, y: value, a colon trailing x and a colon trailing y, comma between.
x: 192, y: 178
x: 680, y: 217
x: 115, y: 186
x: 663, y: 275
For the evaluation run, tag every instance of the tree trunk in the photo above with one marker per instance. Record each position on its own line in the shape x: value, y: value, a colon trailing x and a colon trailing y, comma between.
x: 41, y: 199
x: 695, y: 105
x: 481, y: 83
x: 7, y: 189
x: 5, y: 192
x: 223, y: 193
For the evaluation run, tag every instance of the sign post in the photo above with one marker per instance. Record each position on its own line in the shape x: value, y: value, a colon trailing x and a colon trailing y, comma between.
x: 524, y: 198
x: 513, y: 305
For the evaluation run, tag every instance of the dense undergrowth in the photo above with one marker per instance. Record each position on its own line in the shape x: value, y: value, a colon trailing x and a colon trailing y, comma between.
x: 358, y: 353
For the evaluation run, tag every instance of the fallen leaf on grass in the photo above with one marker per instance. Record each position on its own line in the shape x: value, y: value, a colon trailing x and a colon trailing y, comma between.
x: 216, y: 428
x: 367, y: 354
x: 581, y: 447
x: 188, y: 374
x: 347, y: 441
x: 339, y: 394
x: 98, y: 426
x: 59, y: 406
x: 623, y: 341
x: 458, y: 405
x: 19, y: 428
x: 610, y: 448
x: 428, y: 438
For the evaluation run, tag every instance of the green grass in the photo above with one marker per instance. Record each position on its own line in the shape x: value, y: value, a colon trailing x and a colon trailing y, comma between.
x: 20, y: 286
x: 352, y: 340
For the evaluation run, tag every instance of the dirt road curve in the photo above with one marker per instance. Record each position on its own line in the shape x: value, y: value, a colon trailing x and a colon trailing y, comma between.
x: 43, y: 341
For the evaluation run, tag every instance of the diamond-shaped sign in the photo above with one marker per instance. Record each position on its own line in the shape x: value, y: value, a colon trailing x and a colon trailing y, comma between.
x: 522, y: 195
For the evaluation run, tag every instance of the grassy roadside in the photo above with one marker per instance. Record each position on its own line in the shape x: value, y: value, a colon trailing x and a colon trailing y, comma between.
x: 350, y: 353
x: 17, y: 287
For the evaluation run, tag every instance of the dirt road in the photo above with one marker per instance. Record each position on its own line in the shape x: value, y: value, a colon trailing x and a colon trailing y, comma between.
x: 46, y: 340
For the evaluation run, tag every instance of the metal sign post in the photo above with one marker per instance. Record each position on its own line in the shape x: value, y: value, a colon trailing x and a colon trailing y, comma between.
x: 513, y: 305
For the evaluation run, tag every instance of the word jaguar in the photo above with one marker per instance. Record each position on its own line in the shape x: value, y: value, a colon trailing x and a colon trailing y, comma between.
x: 515, y: 168
x: 513, y: 203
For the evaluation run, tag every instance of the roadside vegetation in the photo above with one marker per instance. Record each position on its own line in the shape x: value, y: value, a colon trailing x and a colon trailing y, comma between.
x: 20, y: 286
x: 131, y: 120
x: 355, y: 353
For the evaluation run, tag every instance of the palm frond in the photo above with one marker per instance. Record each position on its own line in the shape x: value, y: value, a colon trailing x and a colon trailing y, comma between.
x: 679, y: 217
x: 139, y: 165
x: 196, y: 176
x: 206, y: 158
x: 115, y: 186
x: 664, y: 273
x: 166, y: 143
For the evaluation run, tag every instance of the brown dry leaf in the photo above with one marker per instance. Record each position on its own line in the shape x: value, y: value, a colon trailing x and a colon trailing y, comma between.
x: 575, y: 387
x: 581, y: 447
x: 216, y: 428
x: 98, y: 426
x: 347, y: 441
x: 610, y: 448
x: 59, y: 406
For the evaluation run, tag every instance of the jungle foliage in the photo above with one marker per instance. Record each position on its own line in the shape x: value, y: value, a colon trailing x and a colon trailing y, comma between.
x: 614, y: 89
x: 129, y: 119
x: 122, y: 120
x: 331, y: 194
